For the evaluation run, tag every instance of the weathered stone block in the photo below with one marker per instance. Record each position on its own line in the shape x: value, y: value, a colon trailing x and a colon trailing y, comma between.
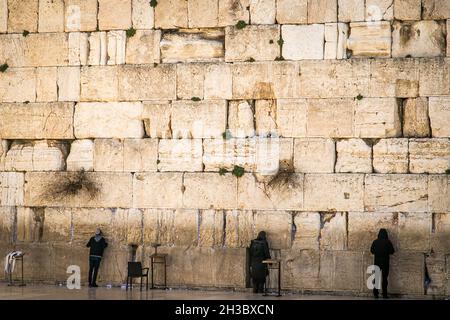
x: 51, y: 16
x: 289, y: 117
x: 35, y: 156
x: 336, y: 35
x: 351, y: 10
x: 108, y: 120
x: 262, y: 11
x: 11, y: 187
x: 435, y: 9
x: 330, y: 118
x: 278, y: 226
x: 307, y: 230
x: 303, y: 41
x: 81, y: 15
x: 225, y: 154
x: 241, y: 119
x: 50, y: 190
x: 407, y: 273
x: 190, y: 80
x: 205, y: 119
x: 3, y: 149
x: 147, y: 82
x: 314, y: 155
x: 292, y: 11
x: 266, y: 117
x: 140, y: 155
x: 203, y: 13
x: 218, y: 82
x: 439, y: 190
x: 142, y: 14
x: 429, y: 155
x: 434, y: 76
x: 209, y: 191
x: 171, y: 14
x: 320, y: 11
x: 3, y: 16
x: 347, y: 270
x: 407, y: 9
x: 36, y: 121
x: 286, y: 195
x: 7, y: 217
x: 377, y: 118
x: 416, y: 123
x: 333, y: 231
x: 81, y: 156
x: 180, y: 155
x: 377, y: 10
x: 439, y: 113
x: 116, y: 43
x: 108, y: 155
x: 78, y: 48
x: 302, y: 269
x: 22, y: 15
x: 240, y: 228
x: 334, y: 192
x: 418, y: 39
x: 18, y: 85
x: 46, y: 84
x: 98, y: 48
x: 396, y: 192
x: 157, y: 117
x: 370, y: 39
x: 99, y: 83
x: 232, y: 11
x: 414, y: 231
x: 440, y: 242
x: 353, y: 155
x: 147, y: 186
x: 114, y: 14
x: 143, y: 47
x: 390, y: 156
x: 252, y: 42
x: 86, y: 220
x: 56, y: 225
x: 68, y: 84
x: 272, y: 154
x: 211, y: 228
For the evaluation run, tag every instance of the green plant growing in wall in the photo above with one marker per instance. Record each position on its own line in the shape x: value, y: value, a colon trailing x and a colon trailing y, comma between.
x: 271, y: 41
x: 4, y: 67
x: 196, y: 99
x: 238, y: 171
x: 280, y: 58
x: 280, y: 41
x: 226, y: 134
x: 359, y: 97
x: 131, y: 32
x: 222, y: 171
x: 447, y: 171
x: 153, y: 3
x: 285, y: 176
x: 241, y: 24
x: 250, y: 59
x: 25, y: 33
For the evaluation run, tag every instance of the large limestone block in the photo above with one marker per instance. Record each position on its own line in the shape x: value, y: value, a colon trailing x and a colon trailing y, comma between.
x: 81, y: 15
x: 353, y: 155
x: 333, y: 231
x: 330, y: 118
x: 11, y: 188
x: 108, y: 155
x: 3, y: 149
x: 78, y: 48
x: 68, y: 84
x: 391, y: 156
x: 36, y: 121
x: 303, y: 41
x: 334, y: 192
x: 436, y: 267
x: 336, y: 35
x: 292, y: 11
x: 232, y: 11
x: 51, y: 16
x: 377, y: 10
x: 418, y: 39
x: 406, y: 274
x: 99, y: 83
x: 46, y: 84
x: 434, y: 76
x: 205, y: 119
x: 252, y: 42
x: 143, y: 47
x: 314, y: 155
x: 363, y: 228
x: 435, y: 9
x: 370, y: 39
x: 307, y: 230
x: 377, y: 118
x: 63, y: 189
x: 147, y: 190
x: 272, y: 154
x: 285, y: 195
x: 289, y: 117
x: 142, y: 14
x: 157, y: 118
x: 448, y: 38
x: 429, y: 155
x: 439, y: 191
x: 239, y: 229
x: 347, y: 271
x: 108, y: 120
x: 218, y: 81
x: 36, y: 156
x: 81, y: 156
x: 262, y: 11
x: 98, y: 48
x: 266, y: 117
x: 416, y: 123
x: 39, y: 254
x: 18, y: 85
x: 171, y: 14
x: 320, y: 11
x: 190, y: 80
x: 351, y: 10
x: 440, y: 242
x: 114, y: 14
x: 414, y: 231
x: 116, y: 42
x: 180, y: 155
x: 241, y: 119
x: 147, y: 82
x: 439, y: 113
x: 211, y: 229
x: 203, y: 13
x: 29, y: 224
x: 7, y: 217
x: 278, y: 226
x: 396, y: 192
x: 3, y: 16
x: 302, y: 269
x: 86, y: 220
x: 394, y: 78
x: 225, y: 154
x: 209, y: 191
x: 407, y: 9
x: 57, y: 225
x: 140, y: 155
x: 22, y: 15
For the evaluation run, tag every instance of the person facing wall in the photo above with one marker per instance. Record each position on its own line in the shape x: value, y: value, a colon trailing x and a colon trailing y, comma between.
x: 97, y: 245
x: 382, y: 248
x: 259, y: 251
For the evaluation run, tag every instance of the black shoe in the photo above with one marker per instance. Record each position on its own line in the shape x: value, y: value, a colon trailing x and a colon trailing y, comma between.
x: 376, y: 296
x: 95, y: 285
x: 90, y: 285
x: 385, y: 297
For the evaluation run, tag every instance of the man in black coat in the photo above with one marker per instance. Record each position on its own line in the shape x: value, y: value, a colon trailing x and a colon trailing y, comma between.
x: 259, y: 251
x: 382, y: 248
x: 97, y: 245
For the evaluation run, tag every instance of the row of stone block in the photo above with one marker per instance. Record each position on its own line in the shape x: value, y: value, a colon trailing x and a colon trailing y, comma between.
x: 264, y: 156
x: 296, y: 191
x: 91, y: 15
x: 409, y: 231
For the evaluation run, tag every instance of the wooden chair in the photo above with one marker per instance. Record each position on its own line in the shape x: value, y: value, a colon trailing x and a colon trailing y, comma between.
x: 135, y: 270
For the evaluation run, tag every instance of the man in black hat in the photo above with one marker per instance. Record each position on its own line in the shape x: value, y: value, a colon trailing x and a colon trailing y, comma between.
x: 97, y: 245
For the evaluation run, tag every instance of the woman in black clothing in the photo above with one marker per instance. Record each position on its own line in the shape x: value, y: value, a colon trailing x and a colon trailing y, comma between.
x: 259, y: 251
x: 97, y: 245
x: 382, y: 248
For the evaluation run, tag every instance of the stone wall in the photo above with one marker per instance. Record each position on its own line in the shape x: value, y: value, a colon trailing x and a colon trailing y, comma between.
x: 138, y: 116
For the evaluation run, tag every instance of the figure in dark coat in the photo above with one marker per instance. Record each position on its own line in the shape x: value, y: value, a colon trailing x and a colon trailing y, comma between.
x: 382, y: 248
x: 97, y: 245
x: 259, y: 251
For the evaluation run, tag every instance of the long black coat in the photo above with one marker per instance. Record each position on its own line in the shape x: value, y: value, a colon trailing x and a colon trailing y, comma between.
x: 382, y: 248
x: 259, y: 251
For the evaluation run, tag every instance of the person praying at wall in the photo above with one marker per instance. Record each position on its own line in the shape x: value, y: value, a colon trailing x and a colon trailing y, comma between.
x: 97, y: 245
x: 382, y: 248
x: 259, y: 251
